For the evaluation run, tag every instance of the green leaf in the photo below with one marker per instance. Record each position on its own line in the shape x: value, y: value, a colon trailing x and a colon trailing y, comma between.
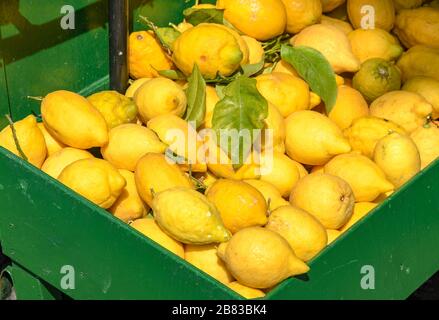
x: 196, y: 16
x: 167, y: 35
x: 242, y: 110
x: 220, y: 90
x: 196, y: 97
x: 172, y: 74
x: 163, y: 35
x: 313, y: 67
x: 249, y: 70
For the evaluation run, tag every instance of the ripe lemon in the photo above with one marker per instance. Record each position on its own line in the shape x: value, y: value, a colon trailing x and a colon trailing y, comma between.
x: 407, y: 4
x: 419, y: 61
x: 150, y: 229
x: 383, y: 13
x: 246, y: 292
x: 407, y: 109
x: 260, y: 258
x: 187, y: 216
x: 160, y: 96
x: 328, y: 198
x: 256, y: 52
x: 206, y: 258
x: 427, y: 141
x: 95, y: 179
x: 284, y: 67
x: 304, y: 233
x: 329, y: 5
x: 56, y: 163
x: 52, y: 144
x: 366, y: 179
x: 146, y: 56
x: 318, y: 169
x: 128, y: 143
x: 361, y: 209
x: 332, y: 235
x: 73, y: 120
x: 30, y: 138
x: 313, y: 139
x: 302, y: 13
x: 398, y: 157
x: 134, y: 86
x: 259, y: 19
x: 155, y: 173
x: 302, y: 170
x: 428, y: 88
x: 340, y: 24
x: 239, y: 204
x: 273, y: 135
x: 129, y: 206
x: 211, y: 101
x: 271, y: 195
x: 365, y: 132
x: 350, y: 105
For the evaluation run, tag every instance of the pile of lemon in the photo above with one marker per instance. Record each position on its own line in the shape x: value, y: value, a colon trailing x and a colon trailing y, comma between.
x: 251, y: 229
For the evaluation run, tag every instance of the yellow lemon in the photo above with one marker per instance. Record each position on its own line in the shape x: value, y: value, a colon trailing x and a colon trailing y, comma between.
x: 419, y: 61
x: 246, y: 292
x: 398, y: 157
x: 259, y: 19
x: 332, y: 235
x: 271, y: 195
x: 366, y: 179
x: 73, y: 120
x: 131, y: 91
x: 304, y: 233
x: 128, y: 143
x: 206, y: 258
x: 154, y: 173
x: 94, y: 179
x: 56, y: 163
x: 211, y: 101
x: 313, y: 139
x: 273, y: 135
x: 284, y: 67
x: 187, y: 216
x: 302, y: 170
x: 340, y: 24
x: 361, y: 209
x: 428, y: 88
x: 332, y: 43
x: 239, y: 204
x: 329, y: 5
x: 243, y: 46
x: 30, y: 139
x: 260, y: 258
x: 365, y: 132
x: 129, y: 206
x: 318, y: 169
x: 328, y: 198
x: 407, y: 109
x: 302, y: 13
x: 383, y: 13
x: 52, y: 144
x: 256, y: 52
x: 407, y: 4
x: 350, y: 105
x: 183, y: 26
x: 146, y: 56
x: 426, y: 139
x: 374, y: 43
x: 150, y: 229
x: 160, y: 96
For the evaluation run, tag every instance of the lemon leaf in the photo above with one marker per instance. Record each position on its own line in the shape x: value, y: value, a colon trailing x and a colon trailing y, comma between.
x: 195, y: 16
x: 167, y: 36
x: 242, y: 110
x: 196, y: 97
x: 172, y: 74
x: 249, y: 70
x: 315, y: 69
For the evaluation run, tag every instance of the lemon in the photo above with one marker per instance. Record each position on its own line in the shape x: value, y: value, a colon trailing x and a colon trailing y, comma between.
x: 418, y: 27
x: 260, y: 258
x: 239, y: 204
x: 115, y: 107
x: 273, y: 135
x: 318, y: 169
x: 419, y: 61
x: 304, y: 233
x: 155, y: 173
x: 313, y: 139
x: 428, y: 88
x: 160, y: 96
x: 426, y: 139
x: 211, y: 101
x: 131, y: 91
x: 256, y: 52
x: 128, y: 143
x: 407, y: 4
x: 129, y: 206
x: 350, y: 105
x: 332, y: 235
x: 361, y: 209
x: 302, y: 170
x: 94, y: 179
x: 246, y: 292
x: 212, y: 47
x: 328, y: 198
x: 243, y: 46
x: 56, y: 163
x: 187, y: 216
x: 206, y: 258
x: 207, y: 178
x: 284, y: 67
x: 383, y: 13
x: 365, y: 132
x: 329, y: 5
x: 366, y: 179
x: 259, y: 19
x: 30, y: 139
x: 150, y: 229
x: 73, y: 120
x: 286, y: 92
x: 398, y: 157
x: 183, y: 26
x: 407, y: 109
x: 271, y: 195
x: 340, y: 24
x: 52, y: 144
x: 302, y: 13
x: 332, y: 43
x: 279, y: 170
x: 374, y: 43
x: 146, y: 56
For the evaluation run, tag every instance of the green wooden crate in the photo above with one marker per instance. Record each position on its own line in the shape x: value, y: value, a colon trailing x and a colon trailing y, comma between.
x: 45, y: 227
